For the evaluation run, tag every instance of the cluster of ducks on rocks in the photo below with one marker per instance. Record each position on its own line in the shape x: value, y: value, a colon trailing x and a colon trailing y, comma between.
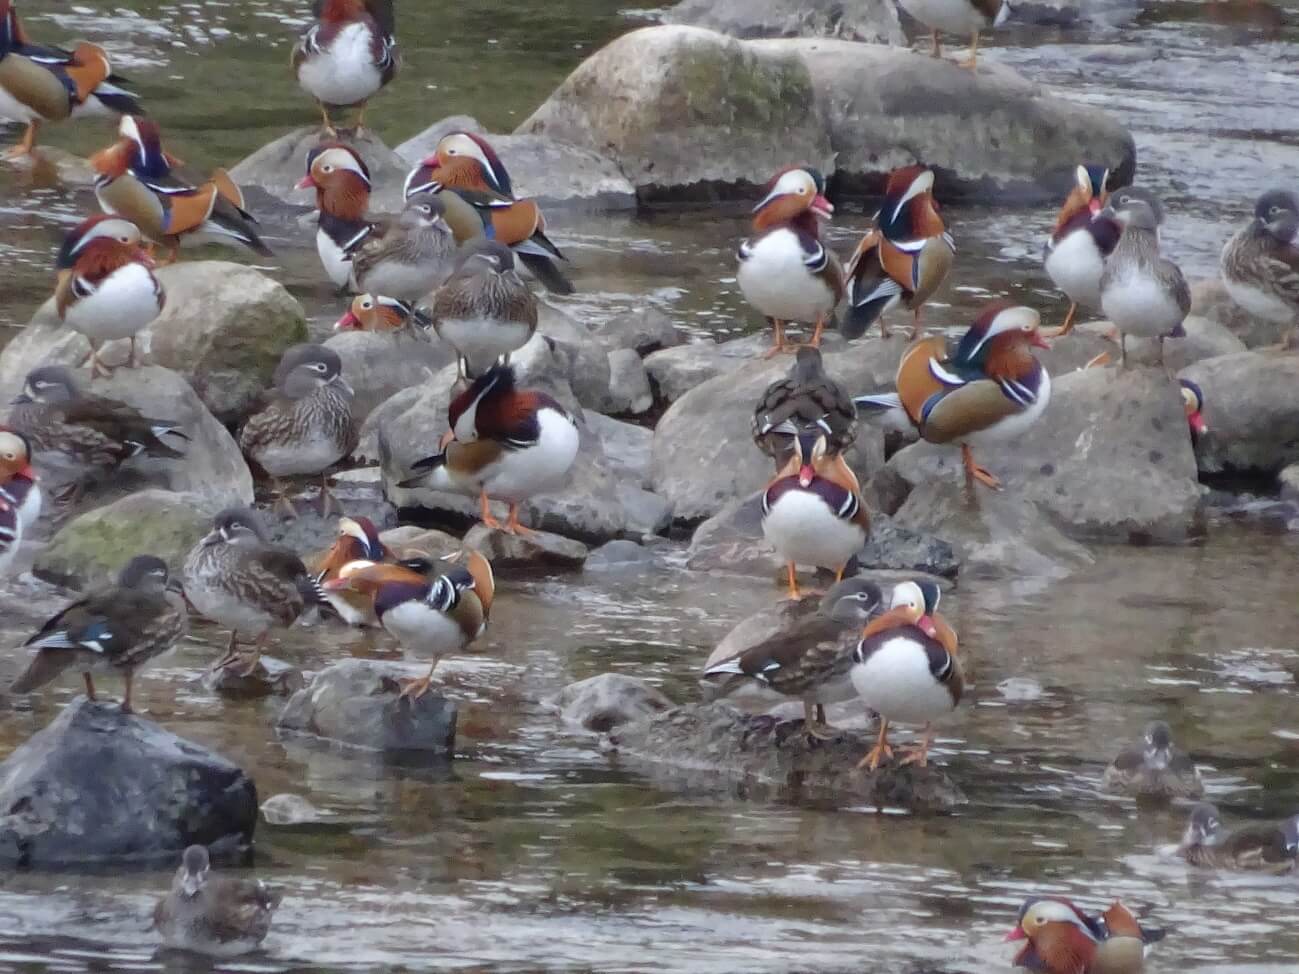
x: 450, y: 263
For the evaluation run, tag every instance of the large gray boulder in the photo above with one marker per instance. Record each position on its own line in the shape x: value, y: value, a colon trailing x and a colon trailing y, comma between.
x: 522, y: 552
x: 101, y: 786
x: 378, y: 365
x: 277, y: 166
x: 1251, y: 405
x: 872, y: 21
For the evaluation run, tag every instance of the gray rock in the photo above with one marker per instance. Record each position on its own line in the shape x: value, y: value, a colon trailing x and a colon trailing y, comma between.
x: 1075, y: 13
x: 582, y: 363
x: 287, y: 810
x: 270, y: 678
x: 367, y: 447
x: 871, y: 21
x: 601, y: 703
x: 1252, y: 410
x: 1204, y: 339
x: 355, y: 702
x: 646, y: 512
x: 619, y: 553
x: 429, y: 541
x: 1289, y: 480
x: 731, y: 540
x: 629, y: 385
x: 625, y: 444
x: 1209, y: 299
x: 100, y: 786
x: 712, y: 746
x: 378, y: 365
x: 894, y: 547
x: 643, y: 330
x: 536, y: 550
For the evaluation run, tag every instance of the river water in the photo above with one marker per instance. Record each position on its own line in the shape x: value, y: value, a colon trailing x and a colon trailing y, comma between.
x: 534, y: 850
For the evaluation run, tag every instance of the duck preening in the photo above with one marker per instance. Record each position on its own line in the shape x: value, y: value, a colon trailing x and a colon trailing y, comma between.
x: 1083, y: 238
x: 346, y: 56
x: 220, y: 916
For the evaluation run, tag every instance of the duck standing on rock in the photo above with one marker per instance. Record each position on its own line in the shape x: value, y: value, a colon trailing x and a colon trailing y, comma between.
x: 484, y: 311
x: 505, y: 443
x: 358, y: 540
x: 213, y: 915
x: 1153, y: 768
x: 903, y: 258
x: 106, y: 287
x: 341, y: 180
x: 373, y: 312
x: 1260, y: 263
x: 306, y: 425
x: 1256, y: 848
x: 346, y: 56
x: 805, y: 399
x: 1059, y: 938
x: 117, y: 630
x: 958, y: 17
x: 408, y: 257
x: 1083, y: 238
x: 991, y: 389
x: 481, y: 203
x: 786, y: 273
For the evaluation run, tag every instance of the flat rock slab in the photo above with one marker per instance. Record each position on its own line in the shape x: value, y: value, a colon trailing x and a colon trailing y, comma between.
x: 356, y: 702
x: 98, y: 786
x: 601, y: 703
x: 270, y: 678
x: 698, y: 745
x: 539, y: 549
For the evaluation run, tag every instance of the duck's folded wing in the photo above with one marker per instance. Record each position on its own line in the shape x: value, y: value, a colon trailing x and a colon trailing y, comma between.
x: 953, y: 413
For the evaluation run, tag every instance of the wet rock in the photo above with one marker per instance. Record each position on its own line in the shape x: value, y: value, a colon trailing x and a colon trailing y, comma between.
x: 702, y: 746
x: 573, y: 356
x: 99, y: 786
x: 355, y: 702
x: 429, y: 541
x: 537, y: 550
x: 646, y: 513
x: 378, y: 365
x: 1075, y: 13
x: 1203, y: 339
x: 872, y: 21
x: 270, y: 678
x: 1209, y: 299
x: 1289, y: 481
x: 91, y: 549
x: 1077, y: 350
x: 643, y: 330
x: 278, y: 165
x: 731, y: 540
x: 894, y: 547
x: 287, y: 810
x: 49, y: 167
x: 629, y: 385
x: 601, y: 703
x: 1252, y: 410
x: 626, y: 445
x: 619, y: 553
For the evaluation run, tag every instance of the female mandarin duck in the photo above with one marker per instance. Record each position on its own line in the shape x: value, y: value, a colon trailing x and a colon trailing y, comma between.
x: 1081, y: 241
x: 484, y: 311
x: 430, y: 616
x: 1142, y: 292
x: 991, y: 389
x: 1260, y: 848
x: 137, y: 179
x: 785, y: 271
x: 106, y: 287
x: 812, y: 513
x: 903, y: 258
x: 1059, y: 938
x: 805, y: 399
x: 358, y: 540
x: 347, y: 55
x: 371, y: 312
x: 958, y: 17
x: 219, y: 916
x: 341, y: 180
x: 504, y: 443
x: 481, y: 203
x: 48, y: 84
x: 1260, y: 263
x: 409, y: 257
x: 20, y: 497
x: 1153, y: 768
x: 905, y: 669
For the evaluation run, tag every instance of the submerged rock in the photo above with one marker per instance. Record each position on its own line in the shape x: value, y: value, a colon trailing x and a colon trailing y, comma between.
x: 1252, y: 409
x: 699, y: 746
x: 619, y: 553
x: 601, y: 703
x: 871, y: 21
x: 98, y: 786
x: 276, y: 167
x: 537, y: 550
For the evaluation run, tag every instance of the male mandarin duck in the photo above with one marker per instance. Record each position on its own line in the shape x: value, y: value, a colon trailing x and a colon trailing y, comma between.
x: 484, y: 311
x: 408, y: 257
x: 341, y: 180
x: 1153, y: 768
x: 347, y: 55
x: 137, y: 179
x: 807, y: 398
x: 1059, y: 938
x: 943, y: 632
x: 429, y: 615
x: 1081, y: 241
x: 786, y: 273
x: 116, y: 630
x: 106, y: 286
x: 238, y: 579
x: 812, y: 513
x: 372, y: 312
x: 48, y: 84
x: 358, y: 540
x: 505, y: 443
x: 903, y: 258
x: 481, y: 203
x: 1260, y: 263
x: 906, y: 670
x: 810, y: 657
x: 958, y: 17
x: 305, y: 425
x: 1193, y: 406
x: 11, y: 536
x: 218, y: 916
x: 1259, y: 848
x: 990, y: 389
x: 19, y: 490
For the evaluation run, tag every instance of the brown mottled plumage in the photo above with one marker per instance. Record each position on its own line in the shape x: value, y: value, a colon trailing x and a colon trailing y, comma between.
x: 807, y: 398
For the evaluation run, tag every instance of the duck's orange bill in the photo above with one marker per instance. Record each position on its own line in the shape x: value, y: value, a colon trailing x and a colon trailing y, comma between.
x: 805, y: 474
x: 926, y: 625
x: 1016, y: 934
x: 306, y: 182
x: 1198, y: 425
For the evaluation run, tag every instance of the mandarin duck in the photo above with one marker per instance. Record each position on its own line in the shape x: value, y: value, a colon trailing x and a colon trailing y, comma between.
x: 48, y: 84
x: 1260, y: 263
x: 904, y: 257
x: 341, y: 180
x: 11, y: 536
x: 304, y: 425
x: 903, y: 671
x: 235, y: 577
x: 1153, y: 768
x: 481, y: 203
x: 106, y: 286
x: 958, y: 17
x: 79, y: 436
x: 484, y: 311
x: 372, y: 312
x: 785, y: 272
x: 807, y: 398
x: 809, y: 657
x: 1142, y: 292
x: 932, y: 593
x: 358, y: 540
x: 990, y: 389
x: 347, y: 55
x: 812, y: 511
x: 506, y: 443
x: 1059, y: 938
x: 1193, y: 406
x: 408, y: 257
x: 116, y: 630
x: 1256, y: 848
x: 429, y: 615
x: 19, y: 490
x: 137, y: 179
x: 214, y: 915
x: 1081, y: 241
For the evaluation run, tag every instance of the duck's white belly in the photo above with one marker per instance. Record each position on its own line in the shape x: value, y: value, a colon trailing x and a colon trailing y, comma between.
x: 481, y: 341
x: 896, y: 682
x: 521, y: 474
x: 778, y: 284
x: 1139, y: 306
x: 1014, y: 426
x: 1075, y: 265
x: 312, y: 454
x: 423, y: 631
x: 345, y: 72
x: 1260, y: 303
x: 337, y: 264
x: 125, y: 302
x: 805, y: 531
x: 952, y: 16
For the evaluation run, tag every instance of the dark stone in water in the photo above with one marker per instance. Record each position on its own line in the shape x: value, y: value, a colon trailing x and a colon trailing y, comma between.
x: 98, y: 785
x: 892, y: 546
x: 601, y: 703
x: 271, y: 677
